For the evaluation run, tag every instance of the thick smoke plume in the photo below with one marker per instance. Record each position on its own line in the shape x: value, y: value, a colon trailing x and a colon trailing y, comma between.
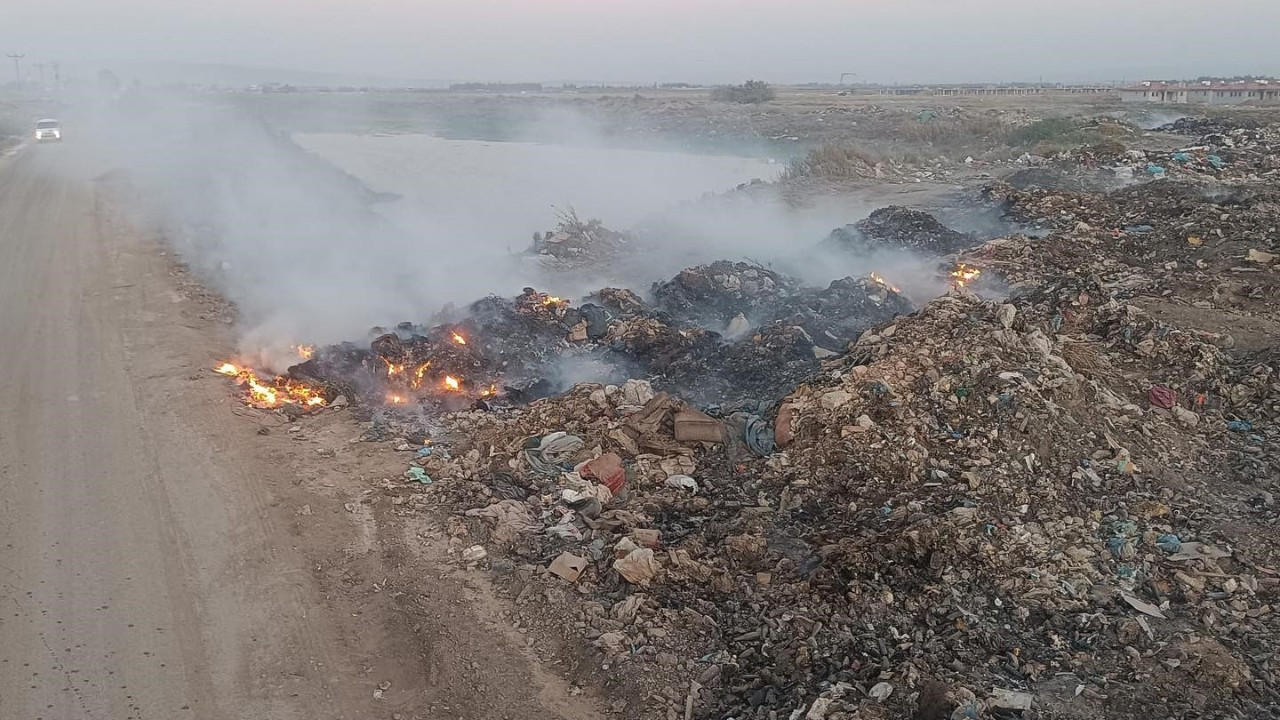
x: 313, y: 253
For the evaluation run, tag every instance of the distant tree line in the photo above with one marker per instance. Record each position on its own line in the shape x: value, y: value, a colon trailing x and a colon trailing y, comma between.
x: 496, y: 87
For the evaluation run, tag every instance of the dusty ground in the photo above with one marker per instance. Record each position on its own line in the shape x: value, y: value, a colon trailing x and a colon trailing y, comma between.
x: 165, y: 553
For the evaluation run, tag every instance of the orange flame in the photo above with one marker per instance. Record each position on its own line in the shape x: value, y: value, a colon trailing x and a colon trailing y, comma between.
x: 278, y: 392
x: 964, y: 274
x: 459, y: 339
x: 553, y: 300
x: 395, y: 399
x: 878, y: 279
x: 392, y: 368
x: 451, y: 383
x: 489, y: 391
x: 418, y: 372
x: 306, y: 352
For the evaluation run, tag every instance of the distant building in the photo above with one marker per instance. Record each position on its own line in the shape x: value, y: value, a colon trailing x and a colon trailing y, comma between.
x: 1203, y: 93
x: 977, y: 90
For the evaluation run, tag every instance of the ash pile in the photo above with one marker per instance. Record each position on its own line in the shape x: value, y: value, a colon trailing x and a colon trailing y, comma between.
x: 1057, y: 503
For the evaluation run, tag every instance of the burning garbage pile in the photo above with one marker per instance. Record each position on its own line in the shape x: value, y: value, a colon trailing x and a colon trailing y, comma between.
x: 275, y: 392
x: 1050, y: 504
x: 482, y: 358
x: 722, y: 333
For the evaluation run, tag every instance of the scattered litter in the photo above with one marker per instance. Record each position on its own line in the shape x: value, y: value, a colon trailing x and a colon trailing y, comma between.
x: 568, y: 566
x: 684, y: 482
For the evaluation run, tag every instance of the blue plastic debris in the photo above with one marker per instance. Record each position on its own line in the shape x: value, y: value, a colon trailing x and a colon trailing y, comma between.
x: 1116, y: 546
x: 1239, y: 425
x: 968, y: 711
x: 1124, y: 528
x: 1217, y: 162
x: 1155, y: 171
x: 1169, y: 543
x: 417, y: 474
x: 1139, y: 229
x: 758, y: 435
x: 424, y: 451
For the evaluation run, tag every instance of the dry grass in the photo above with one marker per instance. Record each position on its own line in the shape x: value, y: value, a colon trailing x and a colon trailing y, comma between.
x: 957, y: 132
x: 1085, y: 357
x: 835, y: 161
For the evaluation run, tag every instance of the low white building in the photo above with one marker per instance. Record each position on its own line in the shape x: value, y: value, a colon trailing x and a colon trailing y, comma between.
x: 1203, y: 93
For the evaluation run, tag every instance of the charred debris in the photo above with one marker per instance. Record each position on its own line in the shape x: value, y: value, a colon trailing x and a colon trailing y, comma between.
x: 830, y: 503
x: 721, y: 333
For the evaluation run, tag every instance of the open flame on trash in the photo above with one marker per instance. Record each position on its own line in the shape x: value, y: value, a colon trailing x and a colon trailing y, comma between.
x: 878, y: 279
x: 418, y: 373
x: 274, y: 393
x: 459, y: 339
x: 306, y: 352
x: 451, y: 383
x: 553, y: 300
x: 964, y: 274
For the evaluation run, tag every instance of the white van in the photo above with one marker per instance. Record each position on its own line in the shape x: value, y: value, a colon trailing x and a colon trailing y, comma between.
x: 48, y: 130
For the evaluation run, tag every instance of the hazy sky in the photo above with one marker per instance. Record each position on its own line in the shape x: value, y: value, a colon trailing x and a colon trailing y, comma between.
x: 665, y: 40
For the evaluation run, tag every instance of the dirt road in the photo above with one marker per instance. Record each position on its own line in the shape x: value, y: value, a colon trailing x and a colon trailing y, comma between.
x: 157, y: 560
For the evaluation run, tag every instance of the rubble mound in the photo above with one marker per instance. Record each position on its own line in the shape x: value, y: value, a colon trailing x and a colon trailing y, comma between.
x: 968, y: 496
x: 1049, y: 178
x: 900, y: 228
x: 576, y: 243
x: 1205, y: 126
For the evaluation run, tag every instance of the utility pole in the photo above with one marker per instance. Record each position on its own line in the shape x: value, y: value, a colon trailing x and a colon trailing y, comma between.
x: 40, y: 68
x: 57, y: 73
x: 845, y: 75
x: 17, y: 68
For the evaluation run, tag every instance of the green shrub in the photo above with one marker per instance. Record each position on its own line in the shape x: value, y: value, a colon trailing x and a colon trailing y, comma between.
x: 749, y: 92
x: 1049, y: 130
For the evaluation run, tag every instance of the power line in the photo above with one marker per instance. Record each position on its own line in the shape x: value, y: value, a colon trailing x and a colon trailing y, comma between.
x: 17, y: 68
